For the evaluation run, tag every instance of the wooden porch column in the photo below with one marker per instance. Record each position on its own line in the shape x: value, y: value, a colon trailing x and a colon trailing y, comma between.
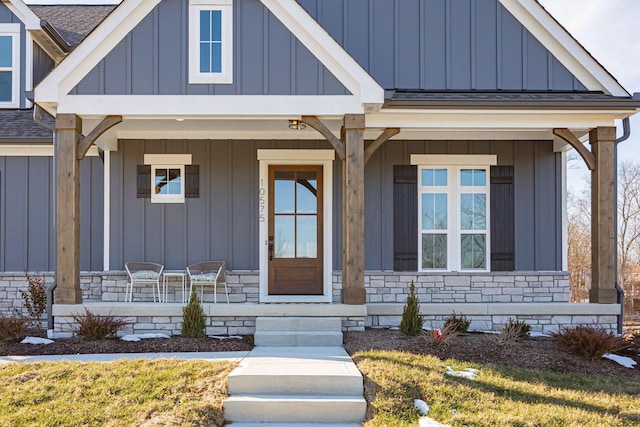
x: 603, y: 216
x: 67, y: 181
x: 353, y: 291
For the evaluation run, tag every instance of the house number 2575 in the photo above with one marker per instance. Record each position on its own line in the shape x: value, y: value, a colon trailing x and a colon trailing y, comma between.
x: 262, y: 201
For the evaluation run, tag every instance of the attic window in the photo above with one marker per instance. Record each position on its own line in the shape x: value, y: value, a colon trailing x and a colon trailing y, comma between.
x: 9, y: 65
x: 210, y: 41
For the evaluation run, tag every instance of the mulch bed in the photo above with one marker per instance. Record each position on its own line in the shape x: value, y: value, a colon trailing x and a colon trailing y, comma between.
x: 534, y: 353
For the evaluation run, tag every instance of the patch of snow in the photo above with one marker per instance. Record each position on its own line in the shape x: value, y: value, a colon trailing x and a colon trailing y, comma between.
x: 430, y: 422
x: 422, y: 406
x: 468, y: 373
x: 625, y: 361
x: 538, y: 335
x: 223, y: 337
x: 138, y: 337
x: 36, y: 340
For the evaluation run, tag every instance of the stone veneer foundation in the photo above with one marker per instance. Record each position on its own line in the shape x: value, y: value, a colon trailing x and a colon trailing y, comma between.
x: 487, y: 299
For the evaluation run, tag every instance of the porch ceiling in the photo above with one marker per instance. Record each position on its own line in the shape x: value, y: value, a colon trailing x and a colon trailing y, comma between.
x: 414, y: 125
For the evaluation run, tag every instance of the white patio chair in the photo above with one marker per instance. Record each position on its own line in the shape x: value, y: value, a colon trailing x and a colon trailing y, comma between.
x: 143, y: 273
x: 208, y: 273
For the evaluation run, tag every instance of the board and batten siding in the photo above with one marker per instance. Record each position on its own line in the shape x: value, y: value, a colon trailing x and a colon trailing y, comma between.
x: 442, y: 45
x: 153, y: 58
x: 222, y: 224
x: 403, y: 44
x: 27, y: 239
x: 537, y: 194
x: 42, y: 64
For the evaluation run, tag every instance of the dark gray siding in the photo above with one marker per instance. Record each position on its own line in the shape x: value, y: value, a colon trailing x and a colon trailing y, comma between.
x: 42, y: 64
x: 7, y: 17
x: 441, y: 45
x: 537, y: 197
x: 26, y: 220
x: 223, y: 222
x: 152, y: 59
x: 405, y: 44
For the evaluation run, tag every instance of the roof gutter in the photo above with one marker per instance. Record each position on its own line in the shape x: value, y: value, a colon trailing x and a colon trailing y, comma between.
x: 626, y: 132
x: 55, y: 36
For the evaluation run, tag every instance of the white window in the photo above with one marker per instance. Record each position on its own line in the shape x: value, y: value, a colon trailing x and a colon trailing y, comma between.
x: 210, y: 41
x: 10, y: 65
x: 167, y: 177
x: 453, y: 212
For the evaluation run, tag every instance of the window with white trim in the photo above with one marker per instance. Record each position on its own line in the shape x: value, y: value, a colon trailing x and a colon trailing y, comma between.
x: 9, y: 65
x: 453, y: 212
x: 167, y: 177
x: 210, y: 41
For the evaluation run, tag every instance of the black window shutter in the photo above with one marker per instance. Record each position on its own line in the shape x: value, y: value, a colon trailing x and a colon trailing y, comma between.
x: 144, y: 181
x: 405, y: 218
x: 192, y: 181
x: 502, y: 219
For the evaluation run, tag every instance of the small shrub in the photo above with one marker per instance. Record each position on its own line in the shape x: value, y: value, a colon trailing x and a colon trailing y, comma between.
x: 35, y: 298
x: 590, y: 342
x: 441, y: 337
x: 12, y: 328
x: 459, y: 324
x: 193, y: 318
x: 513, y: 331
x: 412, y: 320
x: 92, y: 327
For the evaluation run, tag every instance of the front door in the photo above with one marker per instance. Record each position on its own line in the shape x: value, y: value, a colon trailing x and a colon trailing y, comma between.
x: 295, y: 230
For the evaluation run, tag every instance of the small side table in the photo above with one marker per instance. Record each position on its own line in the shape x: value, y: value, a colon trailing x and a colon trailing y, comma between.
x: 165, y: 282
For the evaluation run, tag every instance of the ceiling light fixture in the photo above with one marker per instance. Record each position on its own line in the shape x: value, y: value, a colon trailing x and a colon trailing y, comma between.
x: 296, y: 124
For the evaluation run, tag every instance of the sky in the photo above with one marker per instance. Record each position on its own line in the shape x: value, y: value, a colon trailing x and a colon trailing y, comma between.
x: 608, y: 29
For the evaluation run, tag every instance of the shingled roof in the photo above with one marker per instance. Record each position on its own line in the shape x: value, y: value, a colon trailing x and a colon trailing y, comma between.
x: 73, y: 22
x: 18, y: 125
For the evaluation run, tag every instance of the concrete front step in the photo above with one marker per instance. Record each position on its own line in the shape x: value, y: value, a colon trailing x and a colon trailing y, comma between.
x: 298, y: 324
x: 297, y: 409
x: 297, y: 338
x: 296, y: 371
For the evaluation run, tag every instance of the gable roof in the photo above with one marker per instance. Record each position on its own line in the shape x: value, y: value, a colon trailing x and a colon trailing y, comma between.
x: 73, y: 22
x: 309, y: 31
x: 129, y: 13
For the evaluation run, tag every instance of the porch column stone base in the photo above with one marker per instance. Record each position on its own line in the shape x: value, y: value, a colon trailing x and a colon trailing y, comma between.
x: 353, y: 296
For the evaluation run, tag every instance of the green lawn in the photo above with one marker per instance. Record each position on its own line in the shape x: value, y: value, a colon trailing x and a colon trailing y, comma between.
x: 500, y: 395
x: 121, y: 393
x: 190, y: 393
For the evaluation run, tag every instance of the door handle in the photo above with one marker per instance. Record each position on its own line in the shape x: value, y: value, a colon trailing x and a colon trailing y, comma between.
x: 270, y: 248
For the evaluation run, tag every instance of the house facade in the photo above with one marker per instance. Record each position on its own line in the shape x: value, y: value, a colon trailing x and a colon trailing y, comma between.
x: 330, y: 153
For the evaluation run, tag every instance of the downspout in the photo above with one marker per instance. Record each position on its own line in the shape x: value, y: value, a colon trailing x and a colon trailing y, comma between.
x: 37, y: 117
x: 626, y: 132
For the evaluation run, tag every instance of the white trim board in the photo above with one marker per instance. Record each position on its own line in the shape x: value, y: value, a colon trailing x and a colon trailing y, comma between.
x: 24, y: 150
x: 322, y: 158
x: 563, y: 46
x: 218, y: 105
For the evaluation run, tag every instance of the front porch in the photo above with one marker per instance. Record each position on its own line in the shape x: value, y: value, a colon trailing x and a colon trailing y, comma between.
x: 487, y: 299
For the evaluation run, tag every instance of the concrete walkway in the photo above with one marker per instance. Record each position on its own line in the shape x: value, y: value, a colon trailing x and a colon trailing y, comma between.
x: 236, y: 356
